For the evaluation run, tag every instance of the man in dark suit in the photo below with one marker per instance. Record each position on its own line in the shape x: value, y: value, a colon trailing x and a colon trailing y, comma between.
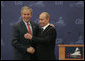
x: 24, y: 49
x: 45, y: 40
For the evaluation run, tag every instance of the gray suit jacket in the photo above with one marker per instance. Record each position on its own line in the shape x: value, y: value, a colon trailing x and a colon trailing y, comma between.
x: 21, y: 44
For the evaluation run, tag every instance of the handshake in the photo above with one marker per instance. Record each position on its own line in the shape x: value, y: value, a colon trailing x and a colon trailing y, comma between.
x: 30, y: 49
x: 28, y: 36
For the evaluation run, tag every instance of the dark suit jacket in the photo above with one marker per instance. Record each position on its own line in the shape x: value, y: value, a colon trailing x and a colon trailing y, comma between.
x: 46, y: 44
x: 21, y: 44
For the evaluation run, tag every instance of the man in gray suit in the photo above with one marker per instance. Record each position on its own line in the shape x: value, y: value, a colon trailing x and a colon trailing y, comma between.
x: 24, y: 49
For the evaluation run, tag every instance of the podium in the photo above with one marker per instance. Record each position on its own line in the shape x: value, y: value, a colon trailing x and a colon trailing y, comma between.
x: 71, y: 52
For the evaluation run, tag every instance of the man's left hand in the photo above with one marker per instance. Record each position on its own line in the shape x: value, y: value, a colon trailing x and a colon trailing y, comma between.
x: 52, y: 25
x: 28, y: 36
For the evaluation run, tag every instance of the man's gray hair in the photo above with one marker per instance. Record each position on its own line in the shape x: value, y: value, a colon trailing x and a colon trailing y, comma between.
x: 26, y: 8
x: 47, y: 14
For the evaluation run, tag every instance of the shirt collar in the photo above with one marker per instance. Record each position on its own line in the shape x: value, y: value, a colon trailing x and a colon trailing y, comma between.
x: 45, y: 26
x: 26, y: 22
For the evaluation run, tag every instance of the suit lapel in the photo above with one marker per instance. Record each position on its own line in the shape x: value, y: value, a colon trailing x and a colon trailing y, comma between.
x: 23, y: 27
x: 33, y: 28
x: 46, y: 29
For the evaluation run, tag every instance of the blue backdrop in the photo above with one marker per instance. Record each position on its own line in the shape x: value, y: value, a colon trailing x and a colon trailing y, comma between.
x: 67, y: 16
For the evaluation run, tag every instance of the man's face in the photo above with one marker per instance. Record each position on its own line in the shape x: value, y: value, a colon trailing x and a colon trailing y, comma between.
x: 42, y: 20
x: 26, y: 15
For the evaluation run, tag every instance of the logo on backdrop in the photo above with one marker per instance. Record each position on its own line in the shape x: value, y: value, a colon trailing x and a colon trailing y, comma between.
x: 59, y: 41
x: 18, y: 3
x: 60, y: 21
x: 79, y: 21
x: 37, y: 4
x: 80, y: 39
x: 59, y: 3
x: 77, y: 4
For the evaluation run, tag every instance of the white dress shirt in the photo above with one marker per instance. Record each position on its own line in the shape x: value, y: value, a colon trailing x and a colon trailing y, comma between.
x: 27, y: 25
x: 45, y: 26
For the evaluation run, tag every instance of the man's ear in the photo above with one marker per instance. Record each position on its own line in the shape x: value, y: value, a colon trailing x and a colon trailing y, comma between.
x: 31, y: 15
x: 48, y: 19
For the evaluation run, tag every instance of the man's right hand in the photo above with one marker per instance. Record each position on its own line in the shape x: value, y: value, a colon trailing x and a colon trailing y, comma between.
x: 28, y: 36
x: 30, y: 50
